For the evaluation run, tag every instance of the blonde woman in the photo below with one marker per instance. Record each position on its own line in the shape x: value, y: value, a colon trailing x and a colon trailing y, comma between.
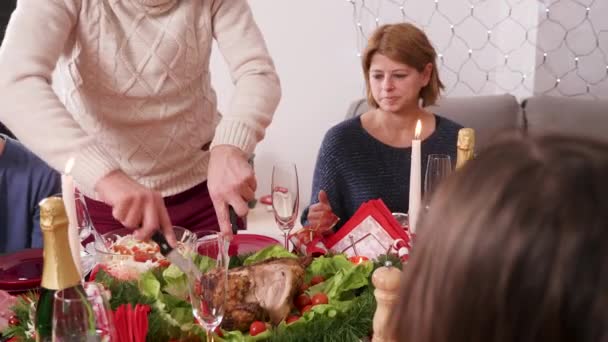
x: 368, y: 157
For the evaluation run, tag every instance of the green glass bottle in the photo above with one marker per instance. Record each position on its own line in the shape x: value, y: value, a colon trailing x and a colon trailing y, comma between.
x: 59, y: 271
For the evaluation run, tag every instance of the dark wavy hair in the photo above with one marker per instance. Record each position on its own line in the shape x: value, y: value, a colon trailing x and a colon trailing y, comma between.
x: 514, y: 248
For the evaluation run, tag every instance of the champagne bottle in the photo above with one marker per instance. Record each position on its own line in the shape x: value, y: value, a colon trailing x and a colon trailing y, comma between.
x: 59, y: 271
x: 465, y: 148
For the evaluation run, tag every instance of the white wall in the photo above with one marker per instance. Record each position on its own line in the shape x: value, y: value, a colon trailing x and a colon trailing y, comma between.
x: 314, y: 49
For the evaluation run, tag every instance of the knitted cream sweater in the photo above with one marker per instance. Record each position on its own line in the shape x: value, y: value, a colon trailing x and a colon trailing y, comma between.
x: 125, y: 84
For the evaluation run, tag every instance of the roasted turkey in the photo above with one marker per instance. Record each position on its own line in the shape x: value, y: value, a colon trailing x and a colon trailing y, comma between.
x: 259, y: 292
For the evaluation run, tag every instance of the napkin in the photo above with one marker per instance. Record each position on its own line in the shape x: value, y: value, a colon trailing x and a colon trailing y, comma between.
x: 371, y: 232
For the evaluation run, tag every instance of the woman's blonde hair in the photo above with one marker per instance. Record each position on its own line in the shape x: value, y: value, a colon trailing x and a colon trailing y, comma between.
x: 406, y: 44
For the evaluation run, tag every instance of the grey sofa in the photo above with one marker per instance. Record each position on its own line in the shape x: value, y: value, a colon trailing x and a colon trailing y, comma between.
x: 493, y: 114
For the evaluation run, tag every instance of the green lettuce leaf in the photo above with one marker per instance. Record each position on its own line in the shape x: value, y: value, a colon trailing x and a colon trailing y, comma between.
x: 274, y: 251
x: 342, y: 284
x: 177, y: 282
x: 328, y: 266
x: 204, y: 263
x: 237, y: 336
x: 149, y: 285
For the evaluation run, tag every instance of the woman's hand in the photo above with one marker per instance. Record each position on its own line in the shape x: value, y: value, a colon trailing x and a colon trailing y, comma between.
x: 135, y: 206
x: 231, y: 181
x: 320, y: 215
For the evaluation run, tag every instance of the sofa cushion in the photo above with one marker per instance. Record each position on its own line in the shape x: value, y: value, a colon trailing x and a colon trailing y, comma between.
x: 488, y: 115
x: 567, y: 115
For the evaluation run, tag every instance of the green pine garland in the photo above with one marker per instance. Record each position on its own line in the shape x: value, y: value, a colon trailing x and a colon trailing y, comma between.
x: 350, y: 326
x: 22, y: 309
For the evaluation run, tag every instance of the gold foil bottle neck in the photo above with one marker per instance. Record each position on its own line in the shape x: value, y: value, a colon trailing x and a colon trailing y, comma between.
x: 465, y: 148
x: 52, y: 213
x: 59, y: 271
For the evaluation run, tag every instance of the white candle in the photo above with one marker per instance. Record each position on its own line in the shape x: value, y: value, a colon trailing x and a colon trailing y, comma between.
x: 415, y: 179
x: 69, y: 201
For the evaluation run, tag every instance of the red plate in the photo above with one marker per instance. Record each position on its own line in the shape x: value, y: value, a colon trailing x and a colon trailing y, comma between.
x: 240, y: 244
x: 21, y: 271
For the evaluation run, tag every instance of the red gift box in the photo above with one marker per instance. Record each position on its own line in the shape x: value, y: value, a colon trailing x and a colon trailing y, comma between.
x: 372, y: 231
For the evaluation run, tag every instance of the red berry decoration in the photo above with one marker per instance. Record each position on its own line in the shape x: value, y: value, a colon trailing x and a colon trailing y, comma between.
x: 13, y: 320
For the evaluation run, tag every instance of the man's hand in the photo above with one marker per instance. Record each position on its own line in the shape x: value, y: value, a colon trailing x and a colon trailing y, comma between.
x: 231, y: 181
x: 320, y: 215
x: 135, y: 206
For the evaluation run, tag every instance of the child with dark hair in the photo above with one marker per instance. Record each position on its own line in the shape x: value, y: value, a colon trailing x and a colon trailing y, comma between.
x: 514, y: 248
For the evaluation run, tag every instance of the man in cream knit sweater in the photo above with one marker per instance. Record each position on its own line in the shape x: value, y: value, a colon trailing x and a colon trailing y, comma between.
x: 123, y: 86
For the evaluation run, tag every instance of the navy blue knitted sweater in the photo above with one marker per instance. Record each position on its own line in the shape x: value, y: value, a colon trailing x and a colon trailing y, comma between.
x: 354, y: 167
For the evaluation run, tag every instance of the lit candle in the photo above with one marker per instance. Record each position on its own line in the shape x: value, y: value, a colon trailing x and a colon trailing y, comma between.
x: 415, y: 179
x: 69, y: 201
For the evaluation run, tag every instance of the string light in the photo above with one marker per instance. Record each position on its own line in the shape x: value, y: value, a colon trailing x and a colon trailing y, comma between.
x: 503, y: 38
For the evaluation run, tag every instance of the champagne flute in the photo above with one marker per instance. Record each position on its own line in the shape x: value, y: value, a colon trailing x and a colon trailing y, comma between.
x: 82, y: 314
x: 85, y: 224
x: 208, y: 291
x: 285, y: 197
x: 438, y: 168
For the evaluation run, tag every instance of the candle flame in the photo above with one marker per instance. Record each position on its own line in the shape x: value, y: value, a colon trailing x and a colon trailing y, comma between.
x: 418, y: 130
x: 69, y: 165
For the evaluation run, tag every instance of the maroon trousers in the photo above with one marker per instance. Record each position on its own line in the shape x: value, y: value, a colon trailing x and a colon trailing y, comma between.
x: 191, y: 209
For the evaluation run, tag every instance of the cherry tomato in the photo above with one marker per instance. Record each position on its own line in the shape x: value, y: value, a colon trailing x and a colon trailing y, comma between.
x: 304, y: 287
x: 141, y: 257
x: 316, y: 280
x: 306, y: 308
x: 257, y: 327
x: 292, y: 319
x: 302, y: 300
x: 358, y: 259
x: 164, y: 263
x: 319, y: 298
x: 218, y: 332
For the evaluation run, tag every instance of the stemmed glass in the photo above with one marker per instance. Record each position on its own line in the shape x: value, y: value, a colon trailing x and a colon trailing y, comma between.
x: 208, y: 289
x: 82, y: 314
x: 285, y: 197
x: 438, y: 168
x: 85, y: 224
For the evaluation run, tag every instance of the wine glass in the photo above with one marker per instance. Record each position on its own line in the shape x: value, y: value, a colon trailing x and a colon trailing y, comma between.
x: 438, y: 168
x: 82, y: 314
x: 285, y: 197
x: 208, y: 289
